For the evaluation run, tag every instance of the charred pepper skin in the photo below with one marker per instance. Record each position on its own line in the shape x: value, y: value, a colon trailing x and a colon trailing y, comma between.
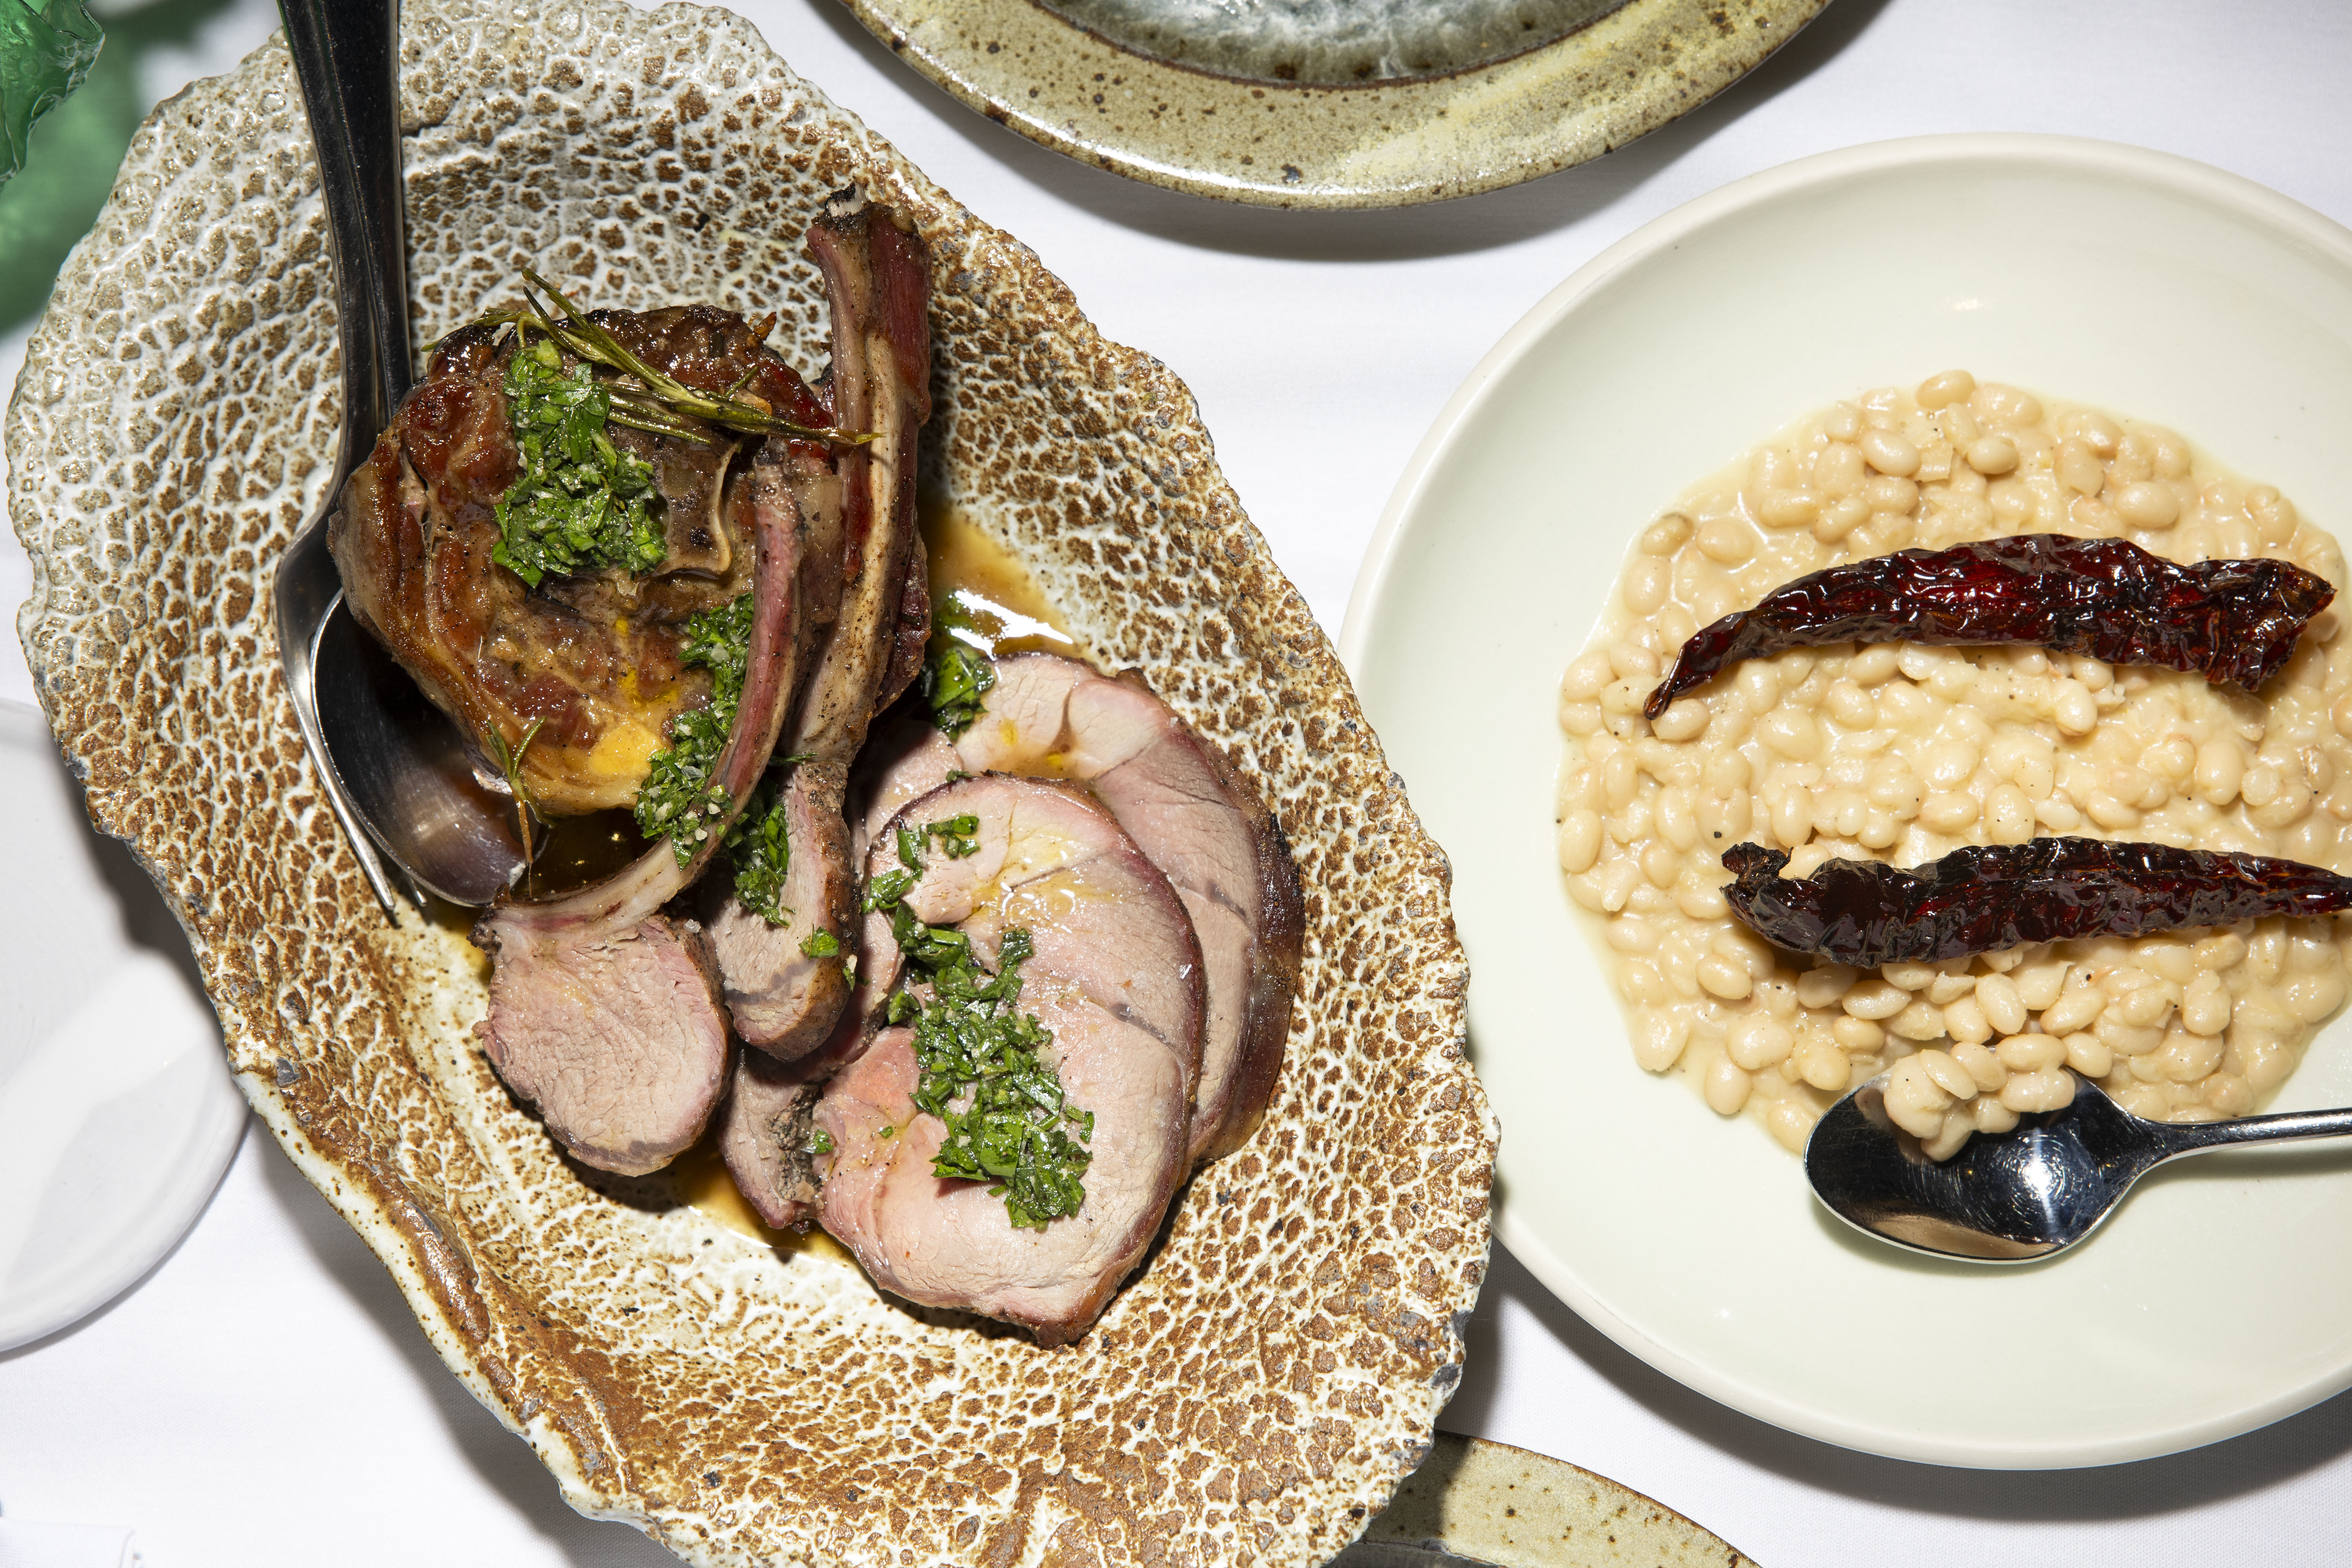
x: 2004, y: 895
x: 2229, y: 621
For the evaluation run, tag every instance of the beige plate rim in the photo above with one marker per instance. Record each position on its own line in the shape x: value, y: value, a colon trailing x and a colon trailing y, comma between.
x: 1286, y: 145
x: 1767, y: 1393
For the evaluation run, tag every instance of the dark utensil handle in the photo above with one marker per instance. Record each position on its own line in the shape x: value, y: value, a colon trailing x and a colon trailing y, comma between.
x: 347, y: 57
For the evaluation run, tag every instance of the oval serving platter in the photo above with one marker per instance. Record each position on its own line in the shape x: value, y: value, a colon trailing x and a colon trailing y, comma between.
x: 1260, y: 1387
x: 1239, y: 130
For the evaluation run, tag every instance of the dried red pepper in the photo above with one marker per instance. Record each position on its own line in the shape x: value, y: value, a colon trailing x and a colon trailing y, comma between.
x: 1981, y: 900
x: 2229, y: 621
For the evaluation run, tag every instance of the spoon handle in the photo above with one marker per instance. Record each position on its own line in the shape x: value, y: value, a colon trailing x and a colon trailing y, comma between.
x: 2197, y: 1137
x: 347, y: 58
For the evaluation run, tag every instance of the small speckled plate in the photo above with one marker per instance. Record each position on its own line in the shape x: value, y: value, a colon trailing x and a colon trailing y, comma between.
x: 1259, y: 1388
x: 1239, y: 130
x: 1481, y: 1502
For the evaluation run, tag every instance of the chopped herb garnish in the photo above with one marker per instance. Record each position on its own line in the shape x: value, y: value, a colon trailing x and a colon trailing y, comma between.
x: 580, y: 502
x: 681, y: 797
x: 821, y: 944
x: 955, y: 835
x: 820, y: 1141
x: 955, y: 680
x: 761, y: 852
x: 1007, y: 1121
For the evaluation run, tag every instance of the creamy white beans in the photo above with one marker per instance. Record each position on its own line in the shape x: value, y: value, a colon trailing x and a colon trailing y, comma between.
x: 1902, y: 753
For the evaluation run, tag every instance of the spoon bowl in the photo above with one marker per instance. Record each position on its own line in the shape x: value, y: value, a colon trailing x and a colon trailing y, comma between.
x: 407, y: 796
x: 2015, y: 1196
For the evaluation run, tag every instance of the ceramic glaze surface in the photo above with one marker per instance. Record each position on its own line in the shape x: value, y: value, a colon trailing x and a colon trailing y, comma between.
x: 1259, y: 1388
x: 1144, y: 102
x: 1330, y: 42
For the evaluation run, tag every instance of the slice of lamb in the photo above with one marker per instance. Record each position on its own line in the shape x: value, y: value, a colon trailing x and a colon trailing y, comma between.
x: 1198, y: 824
x: 766, y: 1121
x: 1116, y: 976
x: 784, y: 988
x: 602, y: 1012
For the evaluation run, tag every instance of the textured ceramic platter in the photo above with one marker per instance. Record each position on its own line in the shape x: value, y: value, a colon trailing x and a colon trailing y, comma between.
x: 1300, y: 144
x: 1258, y: 1390
x: 2154, y: 287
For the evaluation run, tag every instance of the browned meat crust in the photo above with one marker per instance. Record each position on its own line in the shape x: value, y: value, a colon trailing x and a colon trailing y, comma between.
x: 592, y: 658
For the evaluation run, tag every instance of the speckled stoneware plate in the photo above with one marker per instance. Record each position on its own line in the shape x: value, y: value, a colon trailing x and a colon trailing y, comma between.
x: 1481, y: 1502
x: 1324, y: 106
x: 1258, y: 1390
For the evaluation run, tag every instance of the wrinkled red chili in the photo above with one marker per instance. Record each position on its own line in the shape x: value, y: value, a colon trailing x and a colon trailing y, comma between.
x: 2003, y: 895
x: 2229, y: 621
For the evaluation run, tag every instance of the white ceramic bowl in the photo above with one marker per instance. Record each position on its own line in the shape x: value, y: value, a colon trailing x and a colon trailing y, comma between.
x: 2154, y: 287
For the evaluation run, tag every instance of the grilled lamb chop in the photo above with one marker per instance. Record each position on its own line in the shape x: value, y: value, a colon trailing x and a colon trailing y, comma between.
x: 783, y: 989
x: 1204, y: 829
x: 593, y: 657
x: 602, y: 1014
x: 1116, y: 976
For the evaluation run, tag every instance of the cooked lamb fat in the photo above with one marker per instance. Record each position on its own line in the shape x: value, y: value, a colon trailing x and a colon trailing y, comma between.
x: 1116, y: 976
x: 602, y: 1014
x: 784, y: 998
x: 1198, y: 824
x: 592, y: 658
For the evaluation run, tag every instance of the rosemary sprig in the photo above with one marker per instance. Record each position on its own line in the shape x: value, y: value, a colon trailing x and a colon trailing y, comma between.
x: 509, y: 760
x: 657, y: 403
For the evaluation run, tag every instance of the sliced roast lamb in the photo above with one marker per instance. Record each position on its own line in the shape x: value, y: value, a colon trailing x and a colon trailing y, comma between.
x: 766, y: 1124
x: 786, y: 985
x: 592, y: 659
x: 602, y: 1012
x: 1204, y: 829
x: 1115, y: 974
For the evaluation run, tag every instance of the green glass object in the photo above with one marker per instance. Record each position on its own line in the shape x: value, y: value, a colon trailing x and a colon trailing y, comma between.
x: 44, y: 56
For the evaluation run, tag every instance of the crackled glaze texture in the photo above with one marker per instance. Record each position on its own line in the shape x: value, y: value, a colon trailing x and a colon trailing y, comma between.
x: 1261, y: 1387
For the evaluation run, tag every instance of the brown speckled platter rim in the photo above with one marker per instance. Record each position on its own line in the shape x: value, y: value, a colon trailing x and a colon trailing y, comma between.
x: 105, y: 633
x: 1338, y: 146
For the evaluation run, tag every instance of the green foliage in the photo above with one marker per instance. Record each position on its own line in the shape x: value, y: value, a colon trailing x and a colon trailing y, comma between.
x: 580, y: 502
x: 44, y: 56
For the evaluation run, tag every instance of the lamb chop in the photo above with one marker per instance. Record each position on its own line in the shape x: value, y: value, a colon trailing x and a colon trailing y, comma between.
x: 1113, y: 973
x: 786, y: 985
x: 602, y: 1011
x: 768, y: 1120
x: 581, y: 673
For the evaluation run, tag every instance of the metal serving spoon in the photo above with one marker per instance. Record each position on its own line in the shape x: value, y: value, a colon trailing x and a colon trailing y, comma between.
x: 2022, y: 1194
x: 401, y: 783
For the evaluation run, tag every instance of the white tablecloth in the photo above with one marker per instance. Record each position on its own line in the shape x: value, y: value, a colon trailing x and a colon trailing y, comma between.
x: 264, y: 1396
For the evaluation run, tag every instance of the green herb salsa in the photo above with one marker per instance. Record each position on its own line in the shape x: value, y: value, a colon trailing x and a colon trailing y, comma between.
x: 580, y: 502
x: 983, y: 1076
x: 682, y: 798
